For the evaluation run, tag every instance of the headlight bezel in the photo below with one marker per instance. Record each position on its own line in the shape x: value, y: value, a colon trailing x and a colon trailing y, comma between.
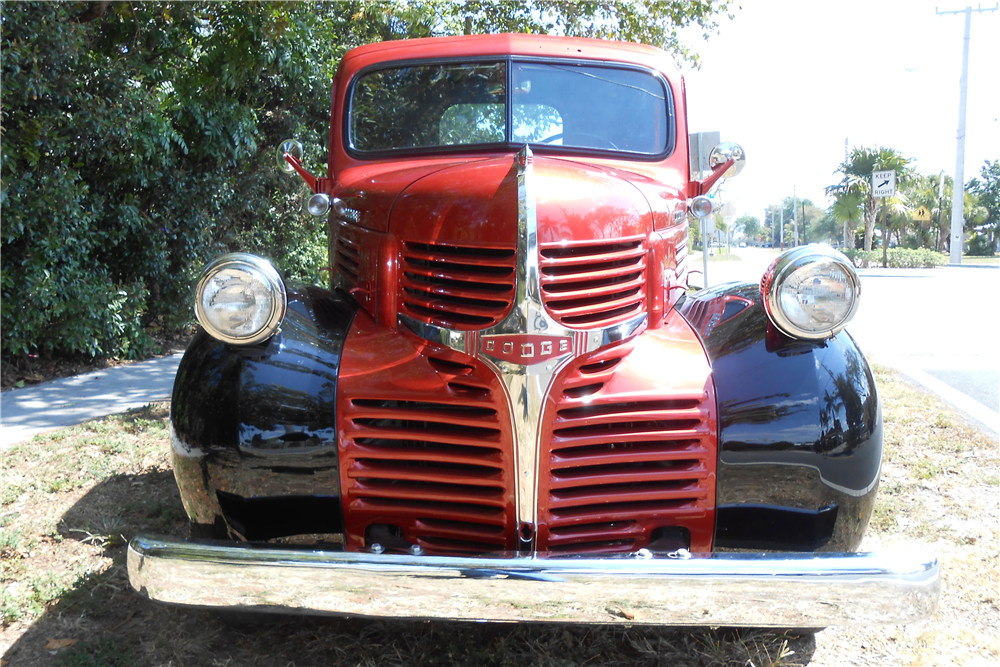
x: 267, y: 276
x: 784, y: 267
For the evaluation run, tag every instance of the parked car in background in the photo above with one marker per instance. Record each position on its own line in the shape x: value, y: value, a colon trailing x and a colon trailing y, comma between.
x: 507, y: 404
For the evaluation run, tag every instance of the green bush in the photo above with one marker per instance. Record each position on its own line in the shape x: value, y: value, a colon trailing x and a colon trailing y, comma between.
x: 980, y: 246
x: 139, y: 137
x: 897, y: 258
x: 124, y: 171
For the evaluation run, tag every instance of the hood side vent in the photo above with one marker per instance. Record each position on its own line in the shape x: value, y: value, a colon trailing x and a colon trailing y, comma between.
x: 435, y: 469
x: 456, y: 286
x: 594, y: 284
x: 616, y: 467
x: 347, y: 261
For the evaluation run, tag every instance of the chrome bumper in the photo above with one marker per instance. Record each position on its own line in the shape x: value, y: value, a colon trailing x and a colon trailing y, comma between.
x: 760, y: 590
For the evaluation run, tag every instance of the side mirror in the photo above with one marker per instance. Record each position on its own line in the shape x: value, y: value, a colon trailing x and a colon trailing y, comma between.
x: 290, y: 147
x: 725, y: 152
x: 290, y: 162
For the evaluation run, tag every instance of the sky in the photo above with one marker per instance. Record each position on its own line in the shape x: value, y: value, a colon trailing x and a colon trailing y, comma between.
x: 791, y: 80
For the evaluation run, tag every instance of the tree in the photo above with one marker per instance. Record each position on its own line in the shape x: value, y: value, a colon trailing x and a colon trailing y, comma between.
x: 778, y: 223
x: 821, y: 227
x: 772, y: 220
x: 749, y: 225
x: 924, y: 191
x: 133, y: 144
x: 656, y: 22
x: 808, y: 216
x: 857, y: 173
x: 894, y: 210
x: 138, y: 142
x: 812, y: 222
x: 986, y: 188
x: 847, y: 208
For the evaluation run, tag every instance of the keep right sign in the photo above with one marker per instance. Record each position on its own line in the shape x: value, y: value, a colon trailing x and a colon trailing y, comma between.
x: 884, y: 183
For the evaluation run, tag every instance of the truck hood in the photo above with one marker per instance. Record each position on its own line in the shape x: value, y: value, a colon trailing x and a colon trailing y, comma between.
x: 475, y: 204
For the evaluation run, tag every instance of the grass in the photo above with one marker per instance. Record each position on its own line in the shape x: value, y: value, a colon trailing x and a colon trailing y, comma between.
x: 981, y: 261
x: 71, y: 499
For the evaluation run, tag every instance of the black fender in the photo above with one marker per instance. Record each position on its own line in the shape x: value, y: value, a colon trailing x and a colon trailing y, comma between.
x: 253, y: 428
x: 800, y: 429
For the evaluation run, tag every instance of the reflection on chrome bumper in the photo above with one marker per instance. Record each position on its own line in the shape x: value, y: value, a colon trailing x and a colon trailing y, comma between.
x: 761, y: 590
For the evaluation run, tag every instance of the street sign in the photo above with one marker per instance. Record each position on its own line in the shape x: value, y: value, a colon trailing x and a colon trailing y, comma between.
x: 700, y: 148
x: 922, y: 214
x: 884, y: 183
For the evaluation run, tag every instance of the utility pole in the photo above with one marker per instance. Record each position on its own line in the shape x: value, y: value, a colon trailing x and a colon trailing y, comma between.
x: 781, y: 230
x: 762, y: 236
x: 795, y: 215
x: 958, y: 189
x: 804, y: 235
x: 937, y: 242
x: 767, y: 210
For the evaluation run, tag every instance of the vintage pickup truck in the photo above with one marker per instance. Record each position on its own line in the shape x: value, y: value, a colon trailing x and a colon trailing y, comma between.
x: 508, y: 404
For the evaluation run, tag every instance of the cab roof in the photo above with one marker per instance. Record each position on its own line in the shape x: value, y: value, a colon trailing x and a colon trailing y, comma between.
x: 508, y: 44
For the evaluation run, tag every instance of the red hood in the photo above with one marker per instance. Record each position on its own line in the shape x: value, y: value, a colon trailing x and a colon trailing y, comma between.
x: 475, y: 203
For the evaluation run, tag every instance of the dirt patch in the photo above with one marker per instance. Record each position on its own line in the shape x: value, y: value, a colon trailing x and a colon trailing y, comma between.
x: 71, y: 499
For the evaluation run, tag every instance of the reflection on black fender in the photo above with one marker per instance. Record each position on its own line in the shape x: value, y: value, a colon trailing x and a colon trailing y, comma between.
x: 259, y: 422
x: 800, y: 425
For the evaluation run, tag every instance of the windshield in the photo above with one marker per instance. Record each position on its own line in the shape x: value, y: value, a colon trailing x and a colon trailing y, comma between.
x: 571, y: 106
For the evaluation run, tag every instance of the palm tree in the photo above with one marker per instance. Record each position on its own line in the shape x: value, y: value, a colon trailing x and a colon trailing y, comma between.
x: 922, y: 192
x: 847, y: 208
x: 857, y: 175
x: 895, y: 208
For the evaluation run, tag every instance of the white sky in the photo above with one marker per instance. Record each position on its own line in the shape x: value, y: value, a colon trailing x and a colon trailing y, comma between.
x: 790, y: 80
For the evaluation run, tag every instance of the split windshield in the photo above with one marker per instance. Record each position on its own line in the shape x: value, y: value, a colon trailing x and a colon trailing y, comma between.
x: 434, y: 106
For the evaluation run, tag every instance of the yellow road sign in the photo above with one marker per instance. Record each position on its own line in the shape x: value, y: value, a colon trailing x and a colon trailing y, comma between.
x: 922, y: 214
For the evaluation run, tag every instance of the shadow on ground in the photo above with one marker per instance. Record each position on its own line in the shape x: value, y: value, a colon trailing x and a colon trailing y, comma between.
x: 105, y: 623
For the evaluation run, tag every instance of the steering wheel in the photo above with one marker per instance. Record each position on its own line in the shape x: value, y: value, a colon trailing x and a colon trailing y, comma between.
x: 603, y: 141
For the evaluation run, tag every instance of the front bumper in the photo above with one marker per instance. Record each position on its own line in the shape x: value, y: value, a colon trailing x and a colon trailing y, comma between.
x: 759, y: 590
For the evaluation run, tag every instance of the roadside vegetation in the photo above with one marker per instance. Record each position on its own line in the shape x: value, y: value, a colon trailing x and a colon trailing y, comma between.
x: 72, y: 499
x: 139, y: 142
x: 917, y: 219
x: 898, y: 258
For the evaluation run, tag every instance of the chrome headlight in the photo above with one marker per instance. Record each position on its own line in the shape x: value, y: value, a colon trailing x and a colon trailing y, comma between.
x: 701, y: 207
x: 810, y: 292
x: 240, y: 299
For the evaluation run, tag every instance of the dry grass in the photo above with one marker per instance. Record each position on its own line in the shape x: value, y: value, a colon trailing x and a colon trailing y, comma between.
x: 71, y: 499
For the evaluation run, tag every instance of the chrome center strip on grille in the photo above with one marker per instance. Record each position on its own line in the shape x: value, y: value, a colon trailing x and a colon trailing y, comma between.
x: 526, y: 349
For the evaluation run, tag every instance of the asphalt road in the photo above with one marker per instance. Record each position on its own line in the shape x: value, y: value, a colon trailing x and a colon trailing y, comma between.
x: 937, y: 326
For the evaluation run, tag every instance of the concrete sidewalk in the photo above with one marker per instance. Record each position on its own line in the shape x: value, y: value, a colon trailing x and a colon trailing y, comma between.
x: 60, y: 403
